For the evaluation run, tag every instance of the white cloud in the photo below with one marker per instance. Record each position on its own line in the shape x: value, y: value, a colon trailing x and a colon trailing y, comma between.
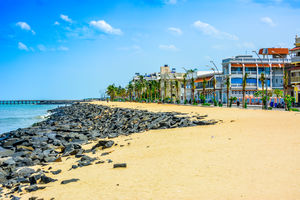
x: 56, y: 23
x: 63, y: 48
x: 170, y: 2
x: 170, y: 47
x: 268, y: 21
x: 105, y: 27
x: 175, y: 31
x: 25, y: 26
x: 66, y: 18
x: 41, y: 47
x: 22, y: 46
x: 208, y: 29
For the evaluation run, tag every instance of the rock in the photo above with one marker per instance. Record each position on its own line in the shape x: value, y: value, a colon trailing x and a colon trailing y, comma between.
x: 33, y: 188
x: 74, y: 166
x: 69, y: 181
x: 34, y: 179
x: 104, y: 144
x: 109, y: 161
x: 9, y: 161
x: 99, y: 162
x: 25, y: 172
x: 6, y: 153
x: 56, y: 172
x: 120, y: 165
x: 104, y: 154
x: 46, y: 179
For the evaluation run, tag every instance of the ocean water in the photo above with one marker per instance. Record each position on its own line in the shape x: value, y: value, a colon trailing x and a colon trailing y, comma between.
x: 13, y: 117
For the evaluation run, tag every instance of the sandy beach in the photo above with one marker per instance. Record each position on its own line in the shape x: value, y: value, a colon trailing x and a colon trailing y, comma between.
x: 249, y: 154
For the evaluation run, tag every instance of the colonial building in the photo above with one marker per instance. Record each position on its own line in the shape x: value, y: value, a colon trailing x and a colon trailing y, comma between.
x: 295, y: 70
x: 209, y: 91
x: 270, y: 61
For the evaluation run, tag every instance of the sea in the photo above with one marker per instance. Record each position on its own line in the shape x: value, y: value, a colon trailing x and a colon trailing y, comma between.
x: 13, y: 117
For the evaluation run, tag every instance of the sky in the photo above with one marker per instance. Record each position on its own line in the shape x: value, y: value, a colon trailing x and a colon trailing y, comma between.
x: 73, y: 49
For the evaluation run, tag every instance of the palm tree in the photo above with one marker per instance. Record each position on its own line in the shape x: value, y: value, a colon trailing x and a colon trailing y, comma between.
x: 278, y: 93
x: 192, y: 71
x: 177, y: 89
x: 262, y: 80
x: 244, y: 87
x: 203, y: 88
x: 111, y: 91
x: 129, y: 90
x: 214, y: 82
x: 228, y: 87
x: 184, y: 85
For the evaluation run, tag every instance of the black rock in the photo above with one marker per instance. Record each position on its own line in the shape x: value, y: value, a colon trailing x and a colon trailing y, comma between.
x: 120, y: 165
x: 56, y: 172
x: 46, y: 179
x: 69, y: 181
x: 33, y: 188
x: 104, y: 144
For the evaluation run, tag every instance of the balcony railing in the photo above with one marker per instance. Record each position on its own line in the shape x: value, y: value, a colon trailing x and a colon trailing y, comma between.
x: 236, y: 72
x: 295, y: 79
x: 256, y: 60
x: 295, y: 59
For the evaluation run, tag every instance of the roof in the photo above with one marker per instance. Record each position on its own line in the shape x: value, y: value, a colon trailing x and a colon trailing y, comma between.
x: 274, y: 51
x: 202, y: 79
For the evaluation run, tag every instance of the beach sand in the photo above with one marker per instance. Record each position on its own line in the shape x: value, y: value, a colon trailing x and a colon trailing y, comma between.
x: 251, y: 154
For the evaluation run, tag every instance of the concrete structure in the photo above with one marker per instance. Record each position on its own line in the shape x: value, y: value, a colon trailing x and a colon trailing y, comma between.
x: 295, y: 70
x: 271, y: 62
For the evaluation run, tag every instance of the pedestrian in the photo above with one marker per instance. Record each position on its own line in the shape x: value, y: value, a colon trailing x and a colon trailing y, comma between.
x: 238, y: 103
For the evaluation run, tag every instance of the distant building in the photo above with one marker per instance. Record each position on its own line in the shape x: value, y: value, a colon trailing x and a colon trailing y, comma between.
x: 208, y: 77
x: 271, y: 62
x: 295, y: 70
x: 171, y: 83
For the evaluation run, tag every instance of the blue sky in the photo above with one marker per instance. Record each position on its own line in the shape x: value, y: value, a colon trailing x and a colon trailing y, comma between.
x: 72, y: 49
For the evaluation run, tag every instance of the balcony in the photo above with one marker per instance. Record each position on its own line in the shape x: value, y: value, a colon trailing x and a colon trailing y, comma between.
x: 256, y: 60
x: 236, y: 72
x: 295, y: 79
x: 295, y: 59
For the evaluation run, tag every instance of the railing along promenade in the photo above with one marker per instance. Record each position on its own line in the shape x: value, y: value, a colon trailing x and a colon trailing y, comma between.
x: 39, y: 102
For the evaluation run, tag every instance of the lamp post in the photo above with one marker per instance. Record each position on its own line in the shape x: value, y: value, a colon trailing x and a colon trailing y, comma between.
x: 266, y: 105
x: 212, y: 62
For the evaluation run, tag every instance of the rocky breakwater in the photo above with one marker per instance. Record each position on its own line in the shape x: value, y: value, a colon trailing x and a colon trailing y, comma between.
x: 64, y: 133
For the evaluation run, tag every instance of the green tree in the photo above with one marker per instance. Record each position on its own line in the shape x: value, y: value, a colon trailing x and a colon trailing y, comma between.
x: 228, y: 88
x: 111, y: 91
x: 203, y: 89
x: 184, y: 86
x: 244, y: 88
x: 278, y: 93
x: 262, y: 80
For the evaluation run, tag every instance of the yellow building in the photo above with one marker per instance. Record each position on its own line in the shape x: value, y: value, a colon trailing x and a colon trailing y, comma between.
x: 295, y: 70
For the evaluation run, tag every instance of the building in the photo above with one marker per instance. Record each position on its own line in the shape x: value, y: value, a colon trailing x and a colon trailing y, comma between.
x: 295, y: 70
x: 270, y: 61
x: 171, y: 83
x: 209, y: 78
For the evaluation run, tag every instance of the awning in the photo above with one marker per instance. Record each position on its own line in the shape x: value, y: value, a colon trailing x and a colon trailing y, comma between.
x: 199, y: 80
x: 296, y: 48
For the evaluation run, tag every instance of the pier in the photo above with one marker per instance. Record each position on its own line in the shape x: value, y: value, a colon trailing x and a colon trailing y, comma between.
x: 37, y: 102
